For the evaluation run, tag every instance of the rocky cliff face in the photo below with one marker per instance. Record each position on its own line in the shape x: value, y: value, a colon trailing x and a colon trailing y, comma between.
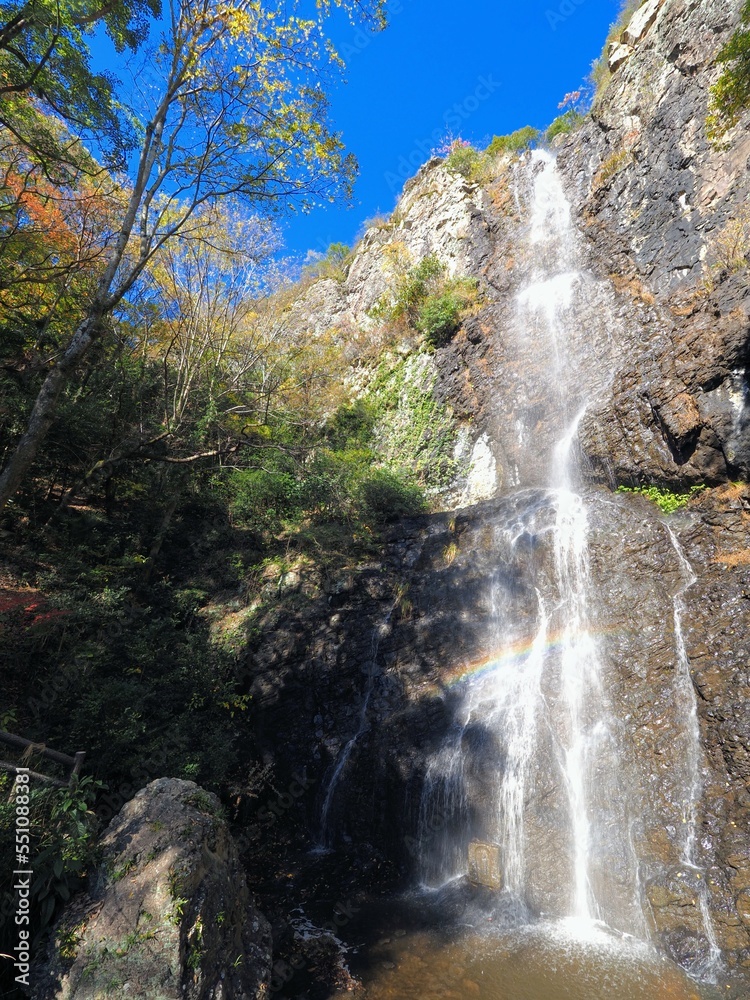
x: 429, y: 610
x: 356, y: 678
x: 660, y: 208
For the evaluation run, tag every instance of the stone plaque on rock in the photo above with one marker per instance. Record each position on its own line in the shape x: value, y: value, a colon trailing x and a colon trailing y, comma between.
x: 484, y: 865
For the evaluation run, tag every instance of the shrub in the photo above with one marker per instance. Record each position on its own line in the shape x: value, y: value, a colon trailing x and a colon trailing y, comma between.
x: 351, y: 423
x: 330, y: 488
x: 333, y: 264
x: 600, y: 73
x: 439, y: 318
x: 387, y: 496
x: 731, y: 245
x: 381, y: 222
x: 61, y: 831
x: 415, y: 285
x: 563, y: 124
x: 462, y: 157
x: 516, y: 142
x: 432, y: 303
x: 265, y: 498
x: 730, y: 95
x: 412, y: 285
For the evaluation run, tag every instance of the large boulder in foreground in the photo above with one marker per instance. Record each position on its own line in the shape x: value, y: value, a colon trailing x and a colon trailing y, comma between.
x: 168, y: 914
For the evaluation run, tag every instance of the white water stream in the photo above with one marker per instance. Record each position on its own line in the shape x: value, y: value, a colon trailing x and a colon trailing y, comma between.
x: 685, y: 698
x: 557, y: 795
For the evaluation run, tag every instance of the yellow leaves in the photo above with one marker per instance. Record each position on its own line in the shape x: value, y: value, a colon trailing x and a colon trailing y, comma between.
x: 397, y: 259
x: 238, y: 21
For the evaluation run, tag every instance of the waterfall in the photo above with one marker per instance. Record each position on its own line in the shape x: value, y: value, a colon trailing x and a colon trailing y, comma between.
x: 536, y: 736
x: 686, y: 701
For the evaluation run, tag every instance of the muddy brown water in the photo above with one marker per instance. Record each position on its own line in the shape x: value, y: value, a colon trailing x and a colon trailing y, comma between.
x: 528, y: 967
x: 541, y: 961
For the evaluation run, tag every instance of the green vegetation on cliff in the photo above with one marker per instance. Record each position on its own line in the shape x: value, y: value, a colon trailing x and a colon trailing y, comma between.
x: 422, y: 295
x: 731, y: 94
x: 600, y: 72
x: 516, y: 142
x: 666, y: 500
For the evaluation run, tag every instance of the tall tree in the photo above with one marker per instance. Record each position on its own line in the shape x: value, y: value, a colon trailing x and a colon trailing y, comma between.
x: 238, y: 110
x: 45, y: 68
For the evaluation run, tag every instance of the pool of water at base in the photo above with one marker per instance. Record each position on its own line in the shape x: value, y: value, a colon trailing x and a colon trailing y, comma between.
x: 539, y: 961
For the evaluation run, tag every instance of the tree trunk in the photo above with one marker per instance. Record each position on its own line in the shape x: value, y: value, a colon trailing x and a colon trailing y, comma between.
x: 45, y: 407
x: 161, y: 534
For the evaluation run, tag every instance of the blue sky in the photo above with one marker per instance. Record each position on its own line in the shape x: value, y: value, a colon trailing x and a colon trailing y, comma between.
x: 472, y: 69
x: 477, y: 68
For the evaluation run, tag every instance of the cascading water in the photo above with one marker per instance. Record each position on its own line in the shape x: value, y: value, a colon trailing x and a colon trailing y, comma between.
x: 686, y: 701
x: 537, y: 761
x: 325, y: 837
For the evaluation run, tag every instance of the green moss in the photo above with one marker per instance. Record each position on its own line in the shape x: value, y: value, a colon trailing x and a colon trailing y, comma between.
x: 667, y: 501
x: 415, y: 433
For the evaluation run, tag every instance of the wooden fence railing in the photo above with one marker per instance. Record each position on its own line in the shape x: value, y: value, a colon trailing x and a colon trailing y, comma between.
x: 73, y: 763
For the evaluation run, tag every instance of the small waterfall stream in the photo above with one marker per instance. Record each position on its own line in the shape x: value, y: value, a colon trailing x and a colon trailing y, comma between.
x: 536, y: 737
x: 685, y: 698
x: 325, y: 836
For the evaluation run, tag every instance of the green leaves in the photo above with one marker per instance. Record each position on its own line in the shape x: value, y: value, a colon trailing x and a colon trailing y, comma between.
x: 516, y: 142
x: 234, y: 108
x: 567, y: 122
x: 439, y: 318
x: 667, y: 501
x: 45, y: 66
x: 730, y: 96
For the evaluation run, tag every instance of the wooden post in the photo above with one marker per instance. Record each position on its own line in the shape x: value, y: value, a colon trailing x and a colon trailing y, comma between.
x: 76, y: 772
x: 22, y: 744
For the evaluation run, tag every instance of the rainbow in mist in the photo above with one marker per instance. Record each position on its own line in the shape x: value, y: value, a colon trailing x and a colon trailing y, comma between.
x: 514, y: 654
